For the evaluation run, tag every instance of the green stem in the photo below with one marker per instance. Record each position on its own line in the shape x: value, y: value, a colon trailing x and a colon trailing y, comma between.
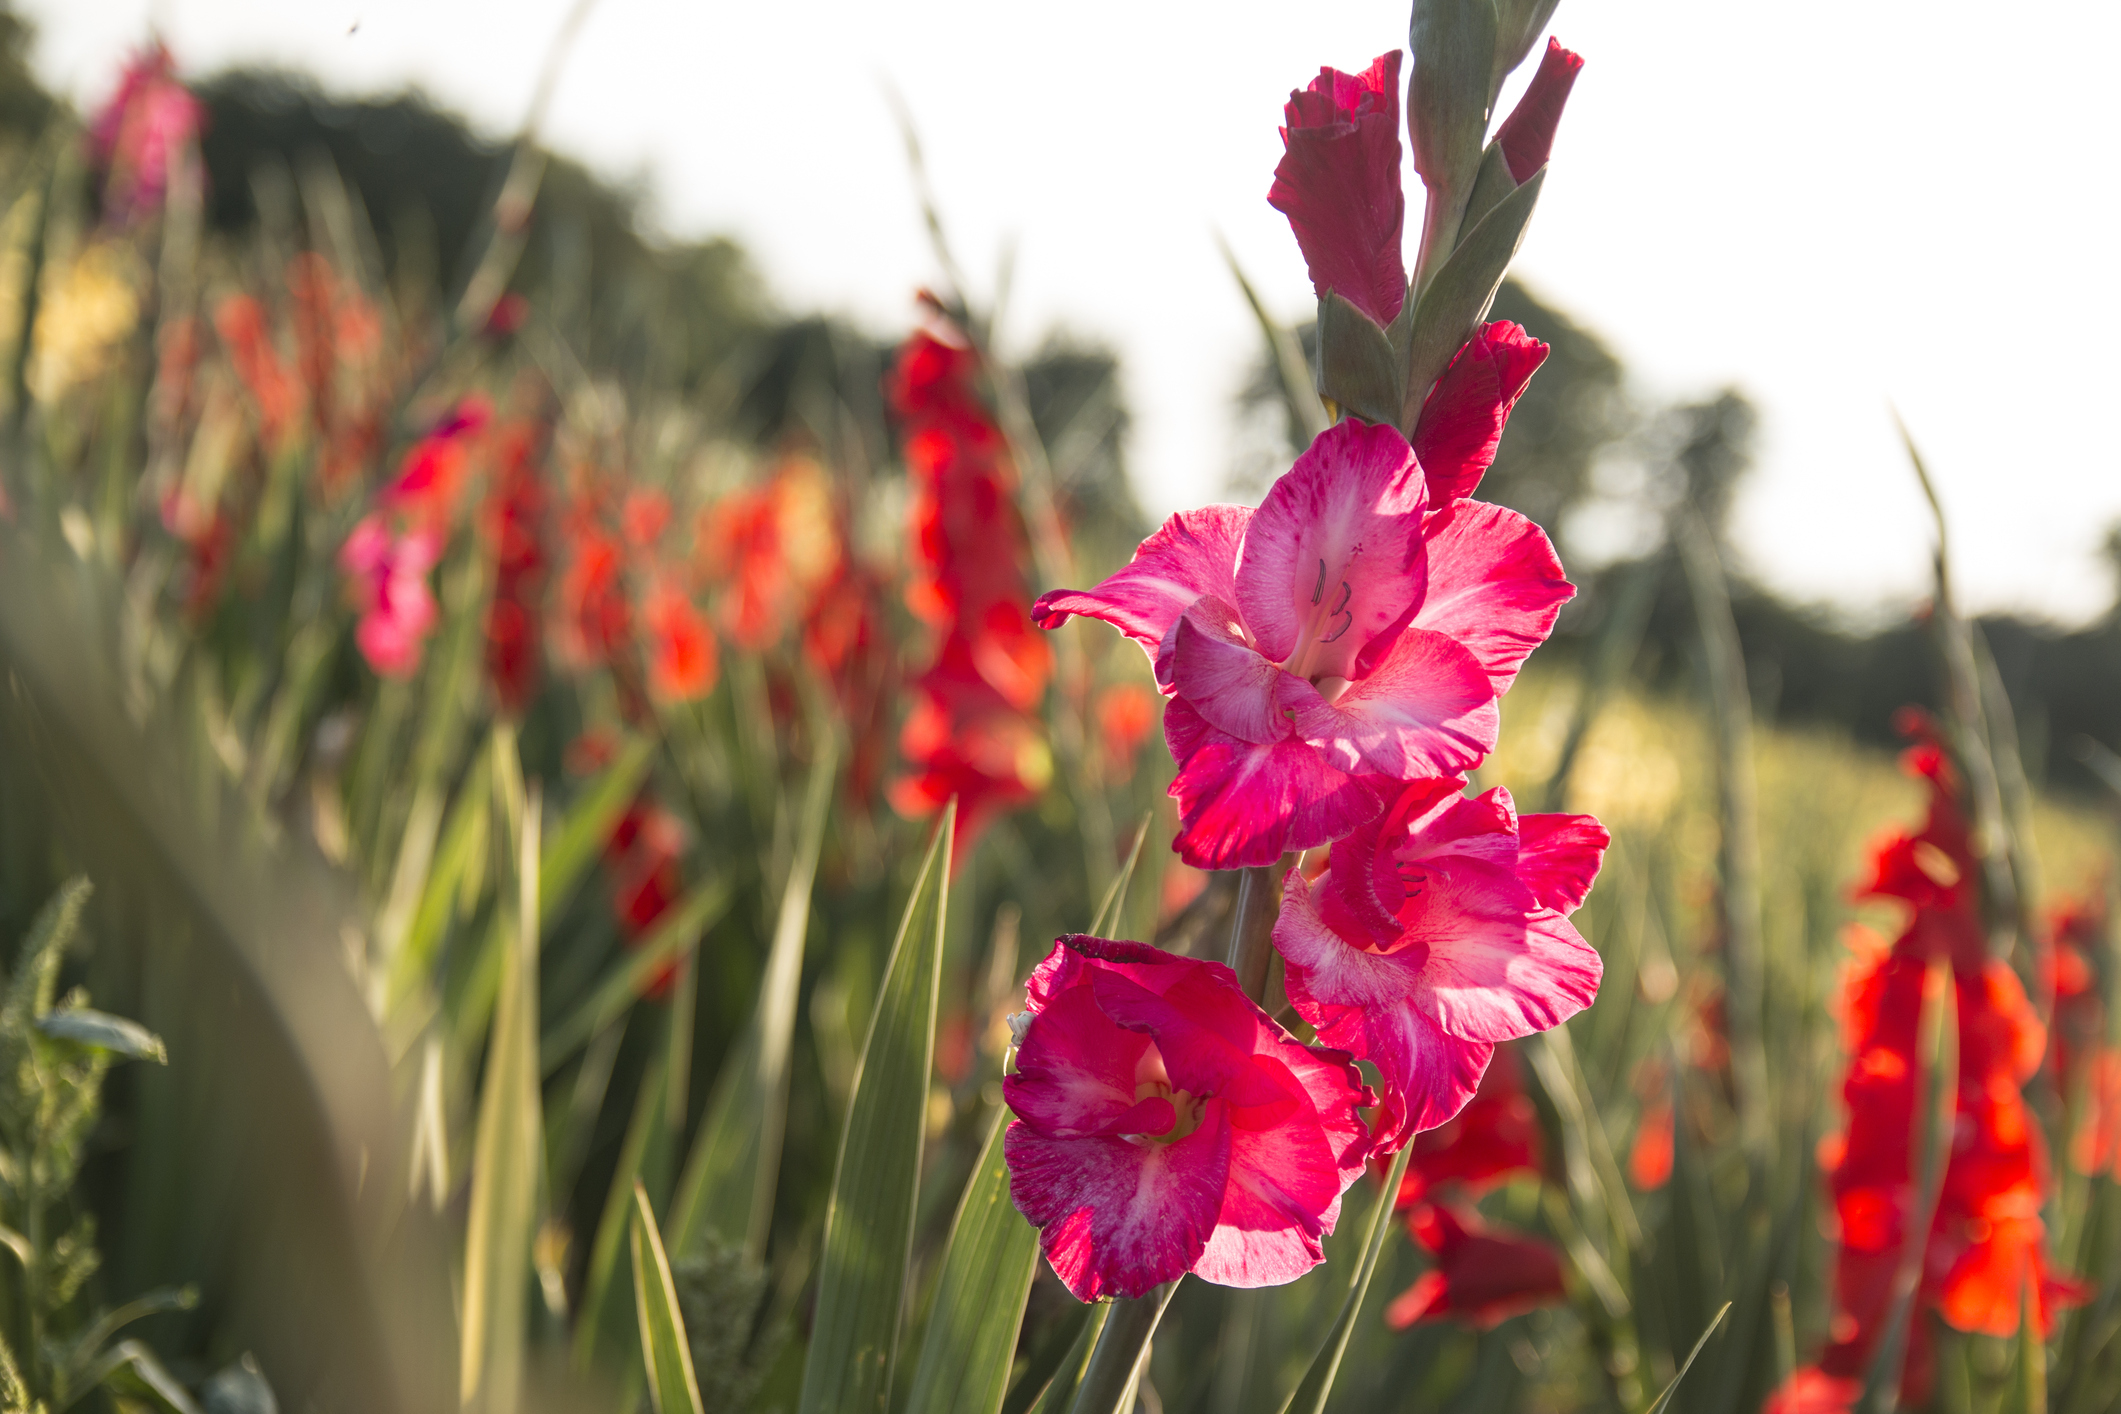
x: 1122, y: 1353
x: 1252, y: 928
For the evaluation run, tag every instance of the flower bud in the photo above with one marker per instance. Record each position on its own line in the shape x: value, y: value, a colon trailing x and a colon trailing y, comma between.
x: 1338, y: 183
x: 1527, y: 135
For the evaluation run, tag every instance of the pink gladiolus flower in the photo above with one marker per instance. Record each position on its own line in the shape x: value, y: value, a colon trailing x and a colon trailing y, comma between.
x: 1165, y: 1124
x: 1338, y: 183
x: 1353, y: 632
x: 1463, y: 416
x: 389, y: 587
x: 1527, y: 135
x: 1436, y: 932
x: 141, y: 132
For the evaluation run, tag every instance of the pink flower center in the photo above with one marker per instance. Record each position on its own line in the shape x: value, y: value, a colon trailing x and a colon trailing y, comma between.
x: 1153, y: 1082
x: 1327, y: 621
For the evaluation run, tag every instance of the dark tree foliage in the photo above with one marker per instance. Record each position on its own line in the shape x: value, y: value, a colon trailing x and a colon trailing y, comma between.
x: 1073, y: 388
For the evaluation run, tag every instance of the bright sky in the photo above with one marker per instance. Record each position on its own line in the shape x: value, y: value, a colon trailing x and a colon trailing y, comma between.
x: 1845, y: 205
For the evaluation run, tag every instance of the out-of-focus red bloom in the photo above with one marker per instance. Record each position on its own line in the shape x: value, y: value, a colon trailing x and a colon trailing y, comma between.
x: 1182, y: 884
x: 516, y: 526
x: 1483, y: 1275
x: 1126, y: 714
x: 594, y: 611
x: 2096, y: 1147
x: 1812, y: 1390
x: 240, y: 321
x: 643, y: 517
x: 642, y: 857
x: 1495, y: 1138
x: 142, y: 132
x: 1650, y: 1156
x: 971, y: 733
x: 845, y: 638
x: 1338, y: 182
x: 2076, y: 936
x: 387, y: 577
x: 1984, y: 1251
x: 510, y: 312
x: 772, y: 548
x: 1527, y: 135
x: 431, y: 482
x: 681, y: 653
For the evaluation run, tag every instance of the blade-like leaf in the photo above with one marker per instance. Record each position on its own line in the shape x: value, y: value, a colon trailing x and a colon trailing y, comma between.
x: 1665, y: 1399
x: 1459, y: 296
x: 728, y: 1180
x: 1114, y: 904
x: 979, y: 1300
x: 875, y: 1186
x: 507, y: 1146
x: 676, y: 933
x: 1298, y: 392
x: 1358, y: 370
x: 462, y: 834
x: 648, y: 1111
x: 105, y: 1032
x: 1056, y: 1369
x: 1317, y: 1383
x: 668, y: 1355
x: 581, y: 835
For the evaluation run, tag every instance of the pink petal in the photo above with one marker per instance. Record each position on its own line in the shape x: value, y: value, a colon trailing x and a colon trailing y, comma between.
x: 1192, y: 554
x: 1527, y: 135
x: 1366, y: 1003
x: 1283, y: 1194
x: 1426, y: 709
x: 1117, y: 1218
x: 1558, y: 858
x: 1462, y: 418
x: 1494, y: 965
x: 1225, y: 678
x: 1332, y: 558
x: 1495, y: 585
x: 1074, y: 1076
x: 1243, y: 803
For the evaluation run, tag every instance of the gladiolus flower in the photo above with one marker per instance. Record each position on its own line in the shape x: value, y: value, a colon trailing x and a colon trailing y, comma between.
x: 681, y: 654
x: 1165, y: 1124
x: 643, y: 855
x: 517, y: 529
x: 1527, y: 135
x: 1349, y: 634
x: 389, y: 584
x: 1463, y: 416
x: 240, y: 321
x: 1436, y: 932
x: 1338, y: 182
x: 2076, y: 933
x: 1482, y: 1276
x: 773, y: 548
x: 142, y: 132
x: 1495, y: 1138
x: 433, y: 477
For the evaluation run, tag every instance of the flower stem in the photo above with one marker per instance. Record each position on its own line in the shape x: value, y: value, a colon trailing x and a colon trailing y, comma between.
x: 1252, y: 929
x: 1122, y: 1353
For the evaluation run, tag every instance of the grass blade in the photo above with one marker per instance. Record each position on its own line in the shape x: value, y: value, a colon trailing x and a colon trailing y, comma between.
x: 1317, y: 1383
x: 678, y: 932
x: 727, y: 1184
x: 979, y: 1300
x: 1115, y: 901
x: 875, y: 1187
x: 1664, y: 1400
x: 672, y: 1387
x: 648, y: 1109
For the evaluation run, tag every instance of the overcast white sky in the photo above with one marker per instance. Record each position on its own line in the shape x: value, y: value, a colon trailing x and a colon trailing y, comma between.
x: 1831, y: 203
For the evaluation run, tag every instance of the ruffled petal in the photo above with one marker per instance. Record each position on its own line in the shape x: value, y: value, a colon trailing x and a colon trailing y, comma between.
x: 1338, y: 182
x: 1558, y: 858
x: 1426, y: 709
x: 1494, y: 965
x: 1332, y: 558
x: 1224, y: 678
x: 1244, y: 803
x: 1495, y: 585
x: 1116, y: 1218
x: 1283, y: 1196
x: 1075, y: 1075
x: 1192, y: 554
x: 1462, y: 418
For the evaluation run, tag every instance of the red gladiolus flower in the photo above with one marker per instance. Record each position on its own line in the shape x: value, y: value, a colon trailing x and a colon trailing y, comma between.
x: 1338, y: 182
x: 1495, y: 1138
x: 773, y: 548
x: 1463, y: 416
x: 516, y: 521
x: 681, y: 661
x: 970, y: 733
x: 1165, y: 1124
x: 1812, y: 1390
x: 642, y: 857
x: 1650, y: 1156
x: 845, y: 639
x: 1125, y: 714
x: 2076, y: 934
x: 141, y: 134
x: 1527, y: 135
x: 1352, y: 633
x: 594, y: 609
x: 432, y: 480
x: 388, y: 580
x: 240, y: 321
x: 1483, y: 1276
x: 1436, y: 932
x: 1983, y: 1252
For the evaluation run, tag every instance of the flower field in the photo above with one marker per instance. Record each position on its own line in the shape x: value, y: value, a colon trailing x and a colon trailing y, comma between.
x: 560, y: 858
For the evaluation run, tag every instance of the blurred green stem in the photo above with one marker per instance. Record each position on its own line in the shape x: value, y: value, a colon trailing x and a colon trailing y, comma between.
x: 1252, y: 930
x: 1122, y: 1353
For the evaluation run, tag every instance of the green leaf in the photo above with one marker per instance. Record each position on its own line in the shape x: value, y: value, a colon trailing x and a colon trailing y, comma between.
x: 727, y: 1184
x: 105, y: 1032
x: 677, y: 933
x: 979, y: 1300
x: 875, y: 1186
x: 1491, y: 184
x: 672, y: 1387
x: 581, y: 836
x: 463, y: 834
x: 1459, y: 295
x: 1317, y: 1383
x: 507, y: 1147
x: 1114, y: 904
x: 648, y: 1110
x: 1358, y: 370
x: 1665, y: 1399
x: 1299, y: 394
x: 1054, y: 1392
